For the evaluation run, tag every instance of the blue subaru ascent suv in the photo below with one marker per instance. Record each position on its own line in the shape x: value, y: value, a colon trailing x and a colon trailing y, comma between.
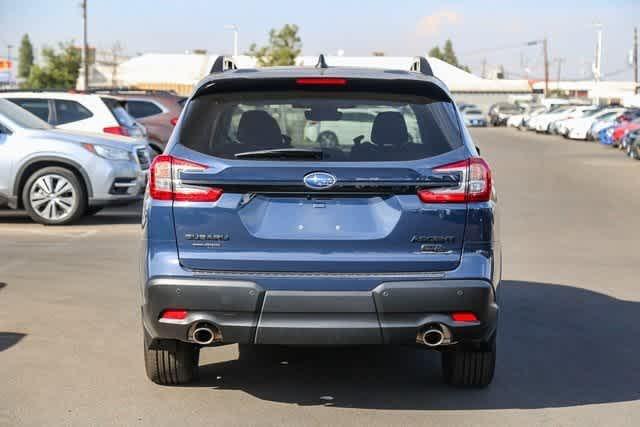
x: 320, y: 206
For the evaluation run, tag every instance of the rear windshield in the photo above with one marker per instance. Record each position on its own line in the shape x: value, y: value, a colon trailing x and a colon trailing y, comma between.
x: 340, y: 127
x: 122, y: 117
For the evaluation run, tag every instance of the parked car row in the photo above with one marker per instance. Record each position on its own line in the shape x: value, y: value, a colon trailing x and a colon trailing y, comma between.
x: 623, y: 133
x: 66, y: 154
x: 612, y: 125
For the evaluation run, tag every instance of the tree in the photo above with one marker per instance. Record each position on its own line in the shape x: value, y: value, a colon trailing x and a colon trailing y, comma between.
x: 25, y: 57
x: 447, y: 55
x: 283, y: 48
x: 60, y: 70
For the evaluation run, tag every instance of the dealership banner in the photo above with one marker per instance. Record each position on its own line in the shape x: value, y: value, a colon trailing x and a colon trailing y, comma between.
x: 5, y: 70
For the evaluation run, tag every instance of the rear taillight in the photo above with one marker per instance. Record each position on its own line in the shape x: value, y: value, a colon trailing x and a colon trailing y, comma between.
x: 165, y: 182
x: 474, y: 184
x: 116, y: 130
x: 173, y: 121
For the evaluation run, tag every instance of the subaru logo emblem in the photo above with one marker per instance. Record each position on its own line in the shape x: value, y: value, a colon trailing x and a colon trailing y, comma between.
x: 319, y: 180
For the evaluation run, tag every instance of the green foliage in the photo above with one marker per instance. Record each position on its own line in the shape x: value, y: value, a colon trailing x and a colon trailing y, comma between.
x: 60, y: 70
x: 283, y: 48
x: 447, y: 55
x: 25, y: 57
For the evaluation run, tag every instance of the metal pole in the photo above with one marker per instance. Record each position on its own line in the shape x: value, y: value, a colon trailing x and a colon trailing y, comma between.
x: 235, y: 38
x: 235, y: 42
x: 635, y: 59
x: 546, y: 67
x: 560, y: 61
x: 9, y: 47
x: 85, y: 46
x: 597, y: 66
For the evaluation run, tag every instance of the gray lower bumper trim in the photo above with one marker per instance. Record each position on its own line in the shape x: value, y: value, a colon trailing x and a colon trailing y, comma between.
x: 392, y: 313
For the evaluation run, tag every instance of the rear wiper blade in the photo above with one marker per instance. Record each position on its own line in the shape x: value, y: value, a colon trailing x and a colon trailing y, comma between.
x: 283, y: 153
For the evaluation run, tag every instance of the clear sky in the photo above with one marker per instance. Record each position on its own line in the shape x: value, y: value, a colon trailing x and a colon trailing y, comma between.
x: 478, y: 29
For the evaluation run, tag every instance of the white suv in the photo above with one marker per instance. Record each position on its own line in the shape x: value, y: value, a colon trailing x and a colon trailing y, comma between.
x: 79, y: 111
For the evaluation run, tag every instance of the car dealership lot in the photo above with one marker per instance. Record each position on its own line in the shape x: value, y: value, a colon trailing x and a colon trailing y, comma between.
x: 70, y: 339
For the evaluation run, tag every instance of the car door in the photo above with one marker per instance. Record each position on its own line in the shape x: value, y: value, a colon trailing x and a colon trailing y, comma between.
x: 5, y: 159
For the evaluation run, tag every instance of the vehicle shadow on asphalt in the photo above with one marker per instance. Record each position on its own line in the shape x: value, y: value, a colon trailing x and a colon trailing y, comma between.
x: 111, y: 216
x: 558, y: 345
x: 9, y: 339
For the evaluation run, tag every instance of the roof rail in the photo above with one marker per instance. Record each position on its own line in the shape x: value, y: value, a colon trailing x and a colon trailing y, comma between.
x: 421, y: 65
x: 222, y: 64
x: 131, y: 90
x: 321, y: 62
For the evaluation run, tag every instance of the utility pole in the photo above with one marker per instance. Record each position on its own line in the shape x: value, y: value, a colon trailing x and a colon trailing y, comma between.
x: 85, y: 46
x: 546, y: 67
x: 635, y: 59
x: 9, y: 47
x: 560, y: 61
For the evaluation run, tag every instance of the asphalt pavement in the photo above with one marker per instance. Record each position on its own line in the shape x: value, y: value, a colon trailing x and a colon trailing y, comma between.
x: 71, y: 348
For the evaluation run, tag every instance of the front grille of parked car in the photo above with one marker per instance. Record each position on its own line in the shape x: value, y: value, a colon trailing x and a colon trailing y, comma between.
x: 143, y: 158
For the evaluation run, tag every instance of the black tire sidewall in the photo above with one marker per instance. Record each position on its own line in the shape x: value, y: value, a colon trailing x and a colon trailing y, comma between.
x: 75, y: 182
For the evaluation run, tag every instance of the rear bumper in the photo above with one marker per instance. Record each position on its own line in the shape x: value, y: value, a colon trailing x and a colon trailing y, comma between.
x: 393, y: 312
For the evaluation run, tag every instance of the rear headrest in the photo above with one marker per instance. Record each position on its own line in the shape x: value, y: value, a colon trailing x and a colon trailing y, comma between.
x: 389, y: 128
x: 259, y: 129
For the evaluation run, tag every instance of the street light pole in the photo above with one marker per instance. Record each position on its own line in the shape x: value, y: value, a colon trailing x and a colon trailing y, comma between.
x: 597, y: 66
x: 234, y: 28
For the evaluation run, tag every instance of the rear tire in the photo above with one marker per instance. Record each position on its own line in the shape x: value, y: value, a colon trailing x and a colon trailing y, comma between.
x: 467, y: 367
x: 171, y: 362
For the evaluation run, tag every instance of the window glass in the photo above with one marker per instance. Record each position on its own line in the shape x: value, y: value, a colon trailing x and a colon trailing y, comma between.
x: 70, y: 111
x: 20, y: 116
x: 122, y: 117
x: 360, y: 127
x: 38, y: 107
x: 140, y: 109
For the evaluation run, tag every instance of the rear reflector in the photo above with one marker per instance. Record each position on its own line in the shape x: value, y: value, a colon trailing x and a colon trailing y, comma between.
x: 321, y: 81
x: 165, y: 183
x: 474, y: 183
x: 174, y: 314
x: 464, y: 316
x: 173, y: 121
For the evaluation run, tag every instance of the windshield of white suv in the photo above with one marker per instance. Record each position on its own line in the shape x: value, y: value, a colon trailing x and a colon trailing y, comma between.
x: 335, y: 128
x: 21, y: 117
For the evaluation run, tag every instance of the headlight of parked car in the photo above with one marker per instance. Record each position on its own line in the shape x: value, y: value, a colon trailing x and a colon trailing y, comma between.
x: 109, y: 153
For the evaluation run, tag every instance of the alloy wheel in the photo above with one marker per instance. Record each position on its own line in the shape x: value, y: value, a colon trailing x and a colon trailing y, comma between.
x: 53, y: 197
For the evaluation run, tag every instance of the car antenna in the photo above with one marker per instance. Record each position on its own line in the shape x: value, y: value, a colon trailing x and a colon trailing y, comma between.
x: 421, y: 65
x: 321, y: 62
x: 222, y: 64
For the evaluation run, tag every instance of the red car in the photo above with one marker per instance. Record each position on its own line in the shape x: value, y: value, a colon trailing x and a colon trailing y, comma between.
x: 624, y: 128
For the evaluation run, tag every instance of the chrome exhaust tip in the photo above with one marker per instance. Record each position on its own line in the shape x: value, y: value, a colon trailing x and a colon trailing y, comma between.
x: 204, y: 334
x: 433, y: 337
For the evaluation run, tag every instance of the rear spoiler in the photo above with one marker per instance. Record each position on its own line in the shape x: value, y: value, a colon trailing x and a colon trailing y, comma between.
x: 222, y: 64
